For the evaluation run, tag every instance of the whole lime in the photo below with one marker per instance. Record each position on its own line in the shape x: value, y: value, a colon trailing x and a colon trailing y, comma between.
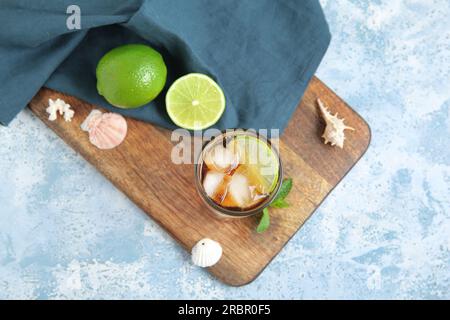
x: 131, y: 76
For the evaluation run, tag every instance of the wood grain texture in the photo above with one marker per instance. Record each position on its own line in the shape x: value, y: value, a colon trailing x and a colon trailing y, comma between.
x: 142, y: 168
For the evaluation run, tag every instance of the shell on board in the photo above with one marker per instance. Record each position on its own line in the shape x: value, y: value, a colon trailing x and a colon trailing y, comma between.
x: 89, y: 121
x: 334, y: 133
x: 106, y: 130
x: 61, y: 107
x: 206, y: 253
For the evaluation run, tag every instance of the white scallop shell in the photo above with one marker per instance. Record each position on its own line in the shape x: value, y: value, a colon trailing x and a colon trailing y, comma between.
x: 206, y: 253
x: 106, y: 130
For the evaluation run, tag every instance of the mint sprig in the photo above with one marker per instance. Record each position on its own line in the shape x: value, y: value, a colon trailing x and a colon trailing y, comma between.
x: 285, y: 188
x: 265, y: 221
x: 279, y: 203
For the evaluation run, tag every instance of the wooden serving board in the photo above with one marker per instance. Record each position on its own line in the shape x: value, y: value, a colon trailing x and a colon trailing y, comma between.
x: 142, y: 168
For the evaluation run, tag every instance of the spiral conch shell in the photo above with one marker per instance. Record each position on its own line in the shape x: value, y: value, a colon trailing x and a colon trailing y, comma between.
x: 106, y: 130
x: 206, y: 253
x: 334, y: 131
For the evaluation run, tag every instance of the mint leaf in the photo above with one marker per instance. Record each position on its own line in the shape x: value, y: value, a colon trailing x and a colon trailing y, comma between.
x: 280, y: 203
x: 265, y: 221
x: 286, y: 187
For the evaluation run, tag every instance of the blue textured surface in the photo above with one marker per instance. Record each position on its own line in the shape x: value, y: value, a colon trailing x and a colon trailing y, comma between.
x: 65, y: 232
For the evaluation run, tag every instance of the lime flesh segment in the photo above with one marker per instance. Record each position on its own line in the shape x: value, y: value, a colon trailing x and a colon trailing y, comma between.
x: 259, y: 162
x: 195, y: 102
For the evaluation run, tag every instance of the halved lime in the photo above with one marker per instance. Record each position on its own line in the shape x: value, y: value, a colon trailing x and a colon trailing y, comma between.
x: 195, y: 102
x: 259, y: 162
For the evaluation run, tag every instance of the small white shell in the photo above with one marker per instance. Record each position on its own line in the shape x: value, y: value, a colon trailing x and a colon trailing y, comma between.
x: 206, y: 253
x: 61, y: 107
x: 334, y: 131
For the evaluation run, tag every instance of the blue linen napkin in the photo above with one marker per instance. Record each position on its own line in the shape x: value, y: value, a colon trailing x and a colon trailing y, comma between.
x: 263, y: 53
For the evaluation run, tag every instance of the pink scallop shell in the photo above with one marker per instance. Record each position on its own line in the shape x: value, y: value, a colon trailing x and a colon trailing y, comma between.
x: 107, y: 131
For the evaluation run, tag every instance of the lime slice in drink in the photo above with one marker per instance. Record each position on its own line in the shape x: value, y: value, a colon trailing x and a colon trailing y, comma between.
x: 195, y: 102
x: 259, y: 163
